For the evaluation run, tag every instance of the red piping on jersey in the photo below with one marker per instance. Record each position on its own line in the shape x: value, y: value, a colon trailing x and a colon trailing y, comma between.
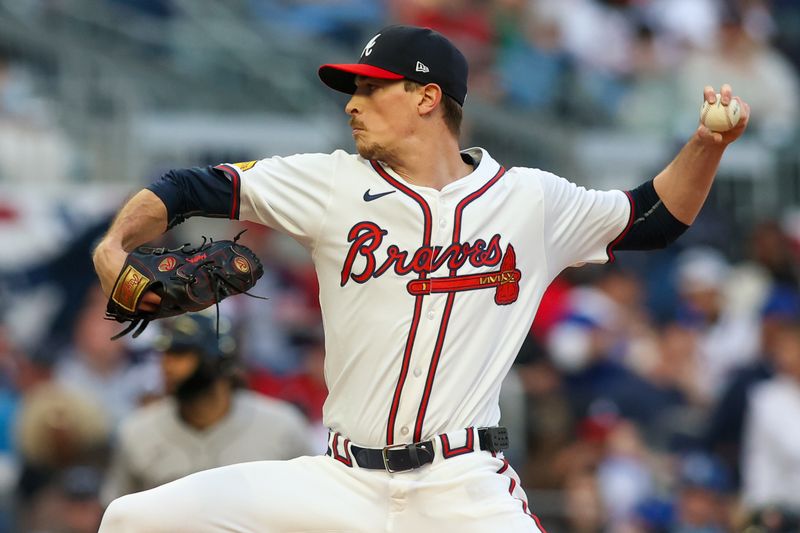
x: 612, y: 244
x: 401, y: 380
x: 449, y: 452
x: 437, y: 351
x: 426, y: 241
x: 236, y: 186
x: 423, y: 406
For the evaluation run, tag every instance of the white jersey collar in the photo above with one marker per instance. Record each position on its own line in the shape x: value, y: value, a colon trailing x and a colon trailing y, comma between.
x: 485, y: 170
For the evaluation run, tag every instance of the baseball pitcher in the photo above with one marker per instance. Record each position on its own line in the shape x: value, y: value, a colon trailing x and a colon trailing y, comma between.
x: 431, y: 261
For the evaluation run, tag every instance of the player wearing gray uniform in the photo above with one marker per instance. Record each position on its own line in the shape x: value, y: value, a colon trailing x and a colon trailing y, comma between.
x: 431, y: 262
x: 205, y: 422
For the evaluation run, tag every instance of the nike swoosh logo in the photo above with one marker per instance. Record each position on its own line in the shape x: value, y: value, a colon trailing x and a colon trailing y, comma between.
x: 369, y: 197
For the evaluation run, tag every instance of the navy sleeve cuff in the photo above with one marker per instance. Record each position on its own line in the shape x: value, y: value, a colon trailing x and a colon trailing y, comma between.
x: 208, y: 191
x: 653, y: 226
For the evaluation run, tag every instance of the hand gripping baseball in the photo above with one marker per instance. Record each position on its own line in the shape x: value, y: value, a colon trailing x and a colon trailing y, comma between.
x: 712, y: 109
x: 186, y: 279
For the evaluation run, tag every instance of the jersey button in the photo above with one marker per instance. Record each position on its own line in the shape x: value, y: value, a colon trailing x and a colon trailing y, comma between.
x: 417, y: 372
x: 431, y: 315
x: 404, y: 430
x: 442, y: 223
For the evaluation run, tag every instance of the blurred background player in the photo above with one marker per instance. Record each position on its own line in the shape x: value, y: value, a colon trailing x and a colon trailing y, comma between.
x: 771, y: 455
x: 207, y: 420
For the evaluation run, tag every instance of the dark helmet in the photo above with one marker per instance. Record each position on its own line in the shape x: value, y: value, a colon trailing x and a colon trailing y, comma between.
x: 197, y: 333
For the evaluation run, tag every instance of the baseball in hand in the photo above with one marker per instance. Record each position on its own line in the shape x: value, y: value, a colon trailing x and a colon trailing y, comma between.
x: 718, y: 117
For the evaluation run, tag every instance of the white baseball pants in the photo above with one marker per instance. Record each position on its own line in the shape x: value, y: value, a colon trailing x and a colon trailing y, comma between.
x: 471, y: 493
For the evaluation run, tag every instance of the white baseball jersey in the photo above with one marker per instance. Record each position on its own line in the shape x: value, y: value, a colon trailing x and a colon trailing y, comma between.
x: 155, y: 446
x: 426, y: 294
x: 426, y: 297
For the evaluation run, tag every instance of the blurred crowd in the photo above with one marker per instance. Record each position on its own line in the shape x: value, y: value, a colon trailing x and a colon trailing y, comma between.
x: 657, y: 394
x: 633, y: 64
x: 629, y: 63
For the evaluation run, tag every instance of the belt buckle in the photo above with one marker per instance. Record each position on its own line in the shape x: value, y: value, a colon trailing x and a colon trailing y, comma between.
x: 385, y: 454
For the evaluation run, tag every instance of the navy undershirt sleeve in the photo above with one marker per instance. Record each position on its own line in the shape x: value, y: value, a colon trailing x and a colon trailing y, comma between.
x: 187, y: 192
x: 653, y: 225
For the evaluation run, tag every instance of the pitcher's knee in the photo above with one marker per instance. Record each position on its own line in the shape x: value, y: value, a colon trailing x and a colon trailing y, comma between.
x: 122, y: 517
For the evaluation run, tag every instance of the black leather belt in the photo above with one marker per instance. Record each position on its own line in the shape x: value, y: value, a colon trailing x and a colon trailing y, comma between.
x: 404, y: 457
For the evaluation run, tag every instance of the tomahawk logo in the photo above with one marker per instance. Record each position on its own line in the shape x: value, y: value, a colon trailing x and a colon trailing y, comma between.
x: 421, y: 67
x: 368, y: 49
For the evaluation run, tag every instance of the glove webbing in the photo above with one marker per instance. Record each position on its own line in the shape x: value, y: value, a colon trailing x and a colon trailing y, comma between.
x: 217, y: 280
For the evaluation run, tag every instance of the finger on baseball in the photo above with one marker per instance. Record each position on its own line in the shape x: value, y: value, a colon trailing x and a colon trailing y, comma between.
x: 706, y: 134
x: 744, y: 110
x: 726, y: 93
x: 709, y: 94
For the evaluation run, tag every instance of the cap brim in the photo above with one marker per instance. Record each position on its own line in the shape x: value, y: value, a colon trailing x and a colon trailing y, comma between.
x: 343, y: 77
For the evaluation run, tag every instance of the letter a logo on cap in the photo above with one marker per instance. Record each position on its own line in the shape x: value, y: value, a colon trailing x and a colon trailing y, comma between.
x: 368, y: 49
x: 421, y: 67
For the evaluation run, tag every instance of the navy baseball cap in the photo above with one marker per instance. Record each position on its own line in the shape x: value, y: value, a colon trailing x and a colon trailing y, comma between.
x: 404, y: 52
x: 196, y: 332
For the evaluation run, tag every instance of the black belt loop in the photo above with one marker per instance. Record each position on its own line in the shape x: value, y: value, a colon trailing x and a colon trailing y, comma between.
x: 405, y: 457
x: 412, y: 453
